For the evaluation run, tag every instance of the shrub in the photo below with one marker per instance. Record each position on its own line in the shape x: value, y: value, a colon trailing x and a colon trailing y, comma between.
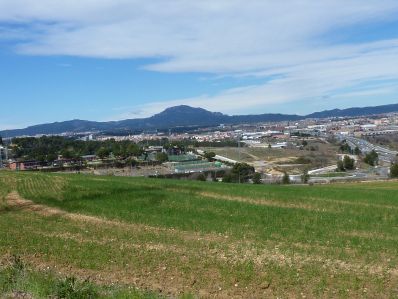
x: 71, y: 288
x: 209, y: 156
x: 371, y: 158
x: 228, y: 178
x: 201, y: 177
x: 285, y: 178
x: 303, y: 160
x: 257, y: 178
x: 348, y: 163
x: 241, y: 172
x: 394, y: 170
x: 162, y: 157
x: 340, y: 166
x: 305, y: 177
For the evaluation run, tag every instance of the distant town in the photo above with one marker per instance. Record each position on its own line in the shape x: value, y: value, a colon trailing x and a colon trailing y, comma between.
x: 303, y: 151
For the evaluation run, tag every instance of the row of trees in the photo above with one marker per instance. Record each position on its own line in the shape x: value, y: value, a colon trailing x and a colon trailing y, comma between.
x: 48, y: 148
x: 189, y: 143
x: 243, y: 172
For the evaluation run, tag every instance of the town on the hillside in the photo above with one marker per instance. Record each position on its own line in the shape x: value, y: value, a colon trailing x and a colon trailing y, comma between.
x: 304, y: 151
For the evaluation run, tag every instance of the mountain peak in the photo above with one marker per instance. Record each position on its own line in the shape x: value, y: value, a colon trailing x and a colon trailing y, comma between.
x: 187, y: 116
x: 185, y: 109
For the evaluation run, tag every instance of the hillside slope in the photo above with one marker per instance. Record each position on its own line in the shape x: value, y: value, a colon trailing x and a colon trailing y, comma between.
x: 205, y: 239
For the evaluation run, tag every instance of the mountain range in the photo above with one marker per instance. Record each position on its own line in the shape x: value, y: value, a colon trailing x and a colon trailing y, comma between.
x: 186, y: 116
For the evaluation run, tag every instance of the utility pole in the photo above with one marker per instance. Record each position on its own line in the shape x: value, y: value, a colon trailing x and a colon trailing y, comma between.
x: 239, y: 148
x: 1, y: 157
x: 239, y: 155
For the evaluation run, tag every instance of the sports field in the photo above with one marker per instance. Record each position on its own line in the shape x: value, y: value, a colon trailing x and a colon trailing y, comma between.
x: 145, y: 238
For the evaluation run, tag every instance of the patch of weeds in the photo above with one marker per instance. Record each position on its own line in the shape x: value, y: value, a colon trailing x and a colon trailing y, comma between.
x: 71, y: 288
x: 4, y: 207
x: 187, y: 296
x: 12, y: 274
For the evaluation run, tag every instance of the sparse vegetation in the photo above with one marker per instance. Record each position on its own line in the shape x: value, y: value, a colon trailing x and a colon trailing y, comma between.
x: 19, y: 280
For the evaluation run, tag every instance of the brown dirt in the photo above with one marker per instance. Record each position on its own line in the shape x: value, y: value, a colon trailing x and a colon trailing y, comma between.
x: 263, y: 202
x: 353, y: 203
x: 369, y: 235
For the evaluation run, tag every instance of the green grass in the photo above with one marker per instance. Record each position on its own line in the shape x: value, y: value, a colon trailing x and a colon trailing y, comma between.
x: 19, y: 281
x: 184, y: 237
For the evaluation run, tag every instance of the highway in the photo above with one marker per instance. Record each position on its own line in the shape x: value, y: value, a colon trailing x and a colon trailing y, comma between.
x: 365, y: 147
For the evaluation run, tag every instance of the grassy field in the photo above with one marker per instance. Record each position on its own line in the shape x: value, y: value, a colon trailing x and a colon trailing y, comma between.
x: 142, y: 238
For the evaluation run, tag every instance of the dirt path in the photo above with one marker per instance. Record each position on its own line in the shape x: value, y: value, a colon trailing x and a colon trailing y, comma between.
x: 14, y: 200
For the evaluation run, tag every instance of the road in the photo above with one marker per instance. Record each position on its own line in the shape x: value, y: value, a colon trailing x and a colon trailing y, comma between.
x: 385, y: 155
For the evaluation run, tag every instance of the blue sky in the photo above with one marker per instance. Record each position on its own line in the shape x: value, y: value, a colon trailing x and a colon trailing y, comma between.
x: 116, y: 59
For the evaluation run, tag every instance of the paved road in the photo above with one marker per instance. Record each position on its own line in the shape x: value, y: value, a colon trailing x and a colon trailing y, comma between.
x: 385, y: 155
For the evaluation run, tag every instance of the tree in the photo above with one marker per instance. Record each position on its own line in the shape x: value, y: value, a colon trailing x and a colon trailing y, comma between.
x: 162, y: 157
x: 305, y: 177
x: 209, y: 156
x: 241, y: 172
x: 357, y: 151
x: 134, y: 150
x: 304, y: 143
x: 340, y: 166
x: 228, y: 178
x: 1, y: 140
x: 371, y: 158
x: 67, y: 153
x: 345, y: 148
x: 103, y: 153
x: 51, y: 157
x: 348, y: 163
x: 394, y: 170
x: 286, y: 178
x: 256, y: 178
x: 201, y: 177
x: 131, y: 162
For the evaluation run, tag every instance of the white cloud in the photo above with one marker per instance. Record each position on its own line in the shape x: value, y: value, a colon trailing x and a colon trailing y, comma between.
x: 290, y: 41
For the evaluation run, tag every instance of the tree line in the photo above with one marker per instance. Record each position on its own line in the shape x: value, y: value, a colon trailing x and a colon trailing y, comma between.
x: 49, y: 148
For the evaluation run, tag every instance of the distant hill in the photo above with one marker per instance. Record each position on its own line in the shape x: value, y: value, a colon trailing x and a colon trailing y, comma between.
x: 186, y: 116
x: 355, y: 111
